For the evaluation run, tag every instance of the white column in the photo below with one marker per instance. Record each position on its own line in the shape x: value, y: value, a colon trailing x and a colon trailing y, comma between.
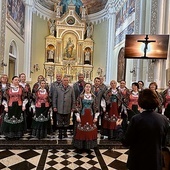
x: 142, y: 11
x: 28, y: 34
x: 161, y: 16
x: 159, y: 71
x: 167, y: 18
x: 110, y: 44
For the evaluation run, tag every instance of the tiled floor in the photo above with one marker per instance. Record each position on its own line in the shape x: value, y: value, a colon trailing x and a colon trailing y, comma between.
x: 29, y: 153
x: 63, y: 159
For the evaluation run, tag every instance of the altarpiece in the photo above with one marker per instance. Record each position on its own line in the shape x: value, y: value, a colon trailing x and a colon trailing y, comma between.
x: 69, y: 47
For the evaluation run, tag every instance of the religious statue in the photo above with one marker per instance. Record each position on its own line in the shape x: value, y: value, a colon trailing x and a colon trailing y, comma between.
x: 89, y: 30
x: 57, y: 8
x: 50, y: 56
x: 83, y: 12
x: 87, y: 56
x: 51, y: 25
x: 69, y: 48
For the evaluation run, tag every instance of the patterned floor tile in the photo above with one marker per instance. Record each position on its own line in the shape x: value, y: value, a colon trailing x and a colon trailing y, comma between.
x: 63, y: 159
x: 25, y: 165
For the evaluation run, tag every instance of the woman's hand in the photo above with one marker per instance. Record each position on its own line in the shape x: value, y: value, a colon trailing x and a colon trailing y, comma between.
x: 23, y: 108
x: 78, y: 119
x: 6, y: 109
x: 119, y: 122
x: 94, y: 120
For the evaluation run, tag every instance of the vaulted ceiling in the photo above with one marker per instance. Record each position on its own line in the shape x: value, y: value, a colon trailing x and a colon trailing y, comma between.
x: 93, y: 6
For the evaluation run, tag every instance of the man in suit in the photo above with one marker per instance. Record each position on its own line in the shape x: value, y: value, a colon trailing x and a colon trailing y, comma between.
x: 63, y: 103
x: 54, y: 85
x: 79, y: 85
x: 78, y: 88
x: 99, y: 93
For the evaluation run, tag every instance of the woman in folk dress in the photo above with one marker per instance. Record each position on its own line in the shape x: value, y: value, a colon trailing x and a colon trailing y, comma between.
x: 86, y: 132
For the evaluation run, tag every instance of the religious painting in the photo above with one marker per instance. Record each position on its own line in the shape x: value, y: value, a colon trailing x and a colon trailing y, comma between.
x: 146, y: 46
x: 126, y: 11
x: 16, y: 15
x: 69, y: 47
x: 122, y: 35
x: 87, y: 55
x: 121, y: 69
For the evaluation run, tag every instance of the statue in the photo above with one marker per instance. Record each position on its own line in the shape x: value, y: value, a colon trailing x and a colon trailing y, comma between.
x: 69, y: 48
x: 87, y: 56
x: 51, y: 54
x: 51, y: 25
x: 89, y: 30
x: 57, y: 8
x: 83, y: 12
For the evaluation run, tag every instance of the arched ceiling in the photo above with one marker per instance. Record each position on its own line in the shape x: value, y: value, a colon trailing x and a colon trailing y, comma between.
x: 93, y: 6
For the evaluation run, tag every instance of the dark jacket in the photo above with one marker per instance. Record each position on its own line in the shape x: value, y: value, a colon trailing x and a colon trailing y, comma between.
x: 145, y: 137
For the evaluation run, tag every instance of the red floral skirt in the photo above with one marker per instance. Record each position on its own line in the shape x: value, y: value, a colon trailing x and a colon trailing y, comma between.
x: 86, y: 129
x: 110, y: 117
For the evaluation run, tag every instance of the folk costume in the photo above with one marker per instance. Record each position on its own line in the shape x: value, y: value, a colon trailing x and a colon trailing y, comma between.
x: 133, y: 104
x: 3, y: 88
x: 112, y: 114
x: 28, y: 93
x: 14, y: 124
x: 41, y: 125
x: 86, y: 132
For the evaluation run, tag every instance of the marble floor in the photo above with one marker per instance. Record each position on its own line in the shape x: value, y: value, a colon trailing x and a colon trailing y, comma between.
x: 63, y: 159
x: 51, y: 153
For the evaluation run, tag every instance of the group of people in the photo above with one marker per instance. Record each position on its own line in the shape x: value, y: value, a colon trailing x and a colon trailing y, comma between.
x: 89, y: 105
x: 23, y: 109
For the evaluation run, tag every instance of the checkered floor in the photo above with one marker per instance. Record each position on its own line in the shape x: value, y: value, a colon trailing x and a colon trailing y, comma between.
x: 63, y: 159
x: 45, y: 155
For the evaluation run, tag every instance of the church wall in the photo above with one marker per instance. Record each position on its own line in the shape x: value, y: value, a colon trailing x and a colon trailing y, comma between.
x: 128, y: 65
x: 100, y: 47
x: 11, y: 35
x: 39, y: 32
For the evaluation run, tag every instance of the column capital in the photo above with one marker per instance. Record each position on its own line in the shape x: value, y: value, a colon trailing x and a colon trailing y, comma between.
x: 28, y: 2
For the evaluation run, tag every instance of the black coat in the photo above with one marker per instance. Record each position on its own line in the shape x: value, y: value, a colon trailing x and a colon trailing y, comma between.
x: 145, y: 137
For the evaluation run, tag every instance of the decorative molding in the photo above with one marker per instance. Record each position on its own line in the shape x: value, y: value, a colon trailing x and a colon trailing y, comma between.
x: 134, y: 75
x: 2, y: 33
x: 153, y: 30
x: 111, y: 7
x: 43, y: 12
x: 137, y: 16
x: 154, y: 14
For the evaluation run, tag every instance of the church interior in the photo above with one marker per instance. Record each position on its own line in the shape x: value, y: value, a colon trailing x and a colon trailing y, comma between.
x: 69, y: 37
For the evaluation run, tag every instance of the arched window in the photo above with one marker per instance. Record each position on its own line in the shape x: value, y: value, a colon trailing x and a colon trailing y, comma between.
x: 121, y: 69
x: 12, y: 60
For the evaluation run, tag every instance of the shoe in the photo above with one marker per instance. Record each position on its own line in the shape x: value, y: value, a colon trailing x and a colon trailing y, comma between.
x: 65, y: 136
x: 101, y: 137
x: 60, y: 136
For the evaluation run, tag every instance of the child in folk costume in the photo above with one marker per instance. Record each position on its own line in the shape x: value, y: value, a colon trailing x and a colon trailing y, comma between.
x: 86, y: 132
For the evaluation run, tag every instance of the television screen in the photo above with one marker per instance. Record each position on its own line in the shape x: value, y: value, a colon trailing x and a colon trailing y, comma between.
x: 146, y: 46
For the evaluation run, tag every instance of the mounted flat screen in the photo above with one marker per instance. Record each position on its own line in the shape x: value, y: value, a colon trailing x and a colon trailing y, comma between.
x: 146, y: 46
